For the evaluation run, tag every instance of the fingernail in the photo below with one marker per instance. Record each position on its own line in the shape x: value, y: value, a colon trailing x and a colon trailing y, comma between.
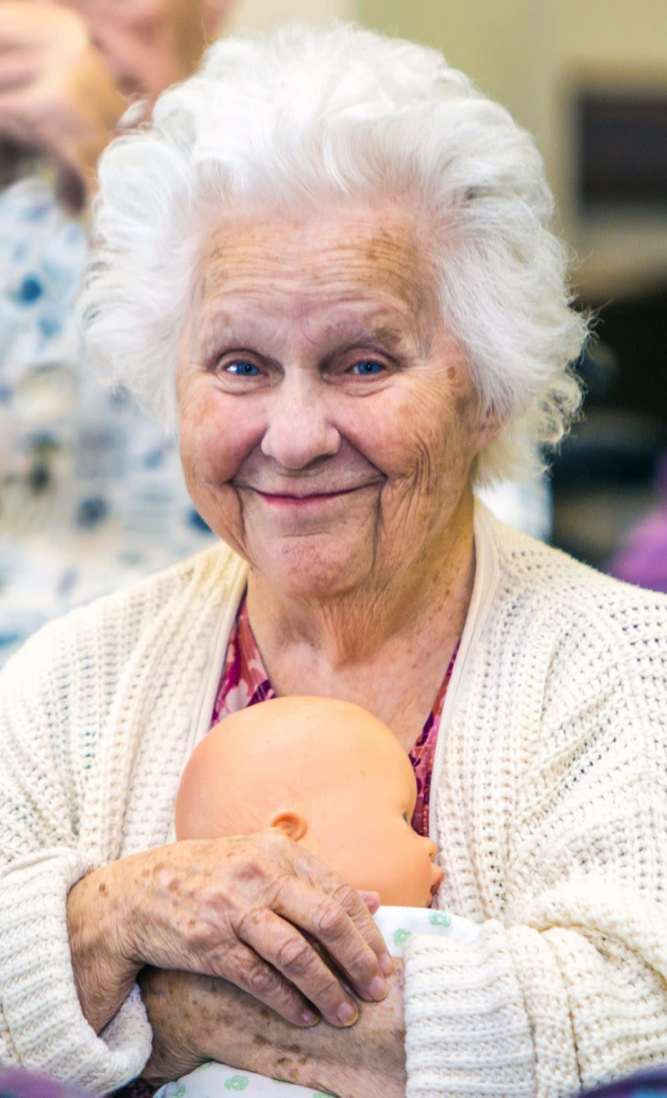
x: 372, y: 900
x: 386, y: 964
x: 308, y: 1018
x: 377, y: 989
x: 347, y: 1014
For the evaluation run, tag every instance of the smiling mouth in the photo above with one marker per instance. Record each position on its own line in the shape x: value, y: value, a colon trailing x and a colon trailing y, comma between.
x: 299, y: 498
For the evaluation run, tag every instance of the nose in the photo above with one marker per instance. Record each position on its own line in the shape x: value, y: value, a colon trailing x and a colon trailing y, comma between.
x: 299, y: 431
x: 436, y: 877
x: 436, y: 872
x: 431, y: 847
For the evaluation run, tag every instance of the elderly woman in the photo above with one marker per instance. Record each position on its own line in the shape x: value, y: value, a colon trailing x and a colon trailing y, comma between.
x: 327, y: 262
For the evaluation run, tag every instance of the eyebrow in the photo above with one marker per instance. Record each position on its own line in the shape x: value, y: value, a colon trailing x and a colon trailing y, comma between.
x: 349, y: 334
x: 350, y: 339
x: 382, y: 333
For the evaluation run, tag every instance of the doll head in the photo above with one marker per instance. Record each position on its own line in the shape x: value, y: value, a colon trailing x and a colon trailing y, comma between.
x: 329, y: 775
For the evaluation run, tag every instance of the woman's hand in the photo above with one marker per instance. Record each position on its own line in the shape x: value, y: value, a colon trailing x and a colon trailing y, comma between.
x: 57, y: 95
x: 199, y: 1018
x: 257, y: 910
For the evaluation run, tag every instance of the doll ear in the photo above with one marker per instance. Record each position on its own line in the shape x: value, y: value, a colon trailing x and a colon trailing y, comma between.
x: 291, y: 824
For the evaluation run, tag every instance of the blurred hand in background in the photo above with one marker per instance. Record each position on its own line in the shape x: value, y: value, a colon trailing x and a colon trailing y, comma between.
x: 67, y: 70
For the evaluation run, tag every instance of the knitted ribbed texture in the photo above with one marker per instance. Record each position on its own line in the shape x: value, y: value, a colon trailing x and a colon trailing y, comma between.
x: 549, y: 805
x: 551, y: 817
x: 75, y: 793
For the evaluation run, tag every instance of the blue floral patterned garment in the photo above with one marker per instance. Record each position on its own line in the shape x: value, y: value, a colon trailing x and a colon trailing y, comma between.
x: 91, y: 493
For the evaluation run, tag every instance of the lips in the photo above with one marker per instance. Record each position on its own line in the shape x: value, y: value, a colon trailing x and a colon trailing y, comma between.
x: 308, y: 495
x: 299, y: 497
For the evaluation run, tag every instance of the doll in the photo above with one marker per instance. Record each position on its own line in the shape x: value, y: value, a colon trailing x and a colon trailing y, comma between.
x: 324, y: 772
x: 335, y: 779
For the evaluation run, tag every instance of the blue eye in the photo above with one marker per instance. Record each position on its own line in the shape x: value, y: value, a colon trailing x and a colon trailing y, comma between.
x: 368, y: 367
x: 241, y: 368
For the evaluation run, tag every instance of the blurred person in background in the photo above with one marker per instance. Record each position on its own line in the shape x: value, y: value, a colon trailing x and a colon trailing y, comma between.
x: 642, y: 558
x: 67, y: 531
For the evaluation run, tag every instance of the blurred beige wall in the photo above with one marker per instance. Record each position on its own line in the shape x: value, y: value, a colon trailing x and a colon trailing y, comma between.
x: 530, y: 54
x: 250, y: 15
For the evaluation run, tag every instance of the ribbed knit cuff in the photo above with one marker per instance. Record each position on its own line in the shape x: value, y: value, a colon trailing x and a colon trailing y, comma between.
x: 40, y: 1003
x: 467, y: 1031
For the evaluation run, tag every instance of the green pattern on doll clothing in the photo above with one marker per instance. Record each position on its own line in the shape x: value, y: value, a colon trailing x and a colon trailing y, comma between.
x: 439, y: 918
x: 237, y: 1082
x: 401, y: 936
x: 180, y: 1092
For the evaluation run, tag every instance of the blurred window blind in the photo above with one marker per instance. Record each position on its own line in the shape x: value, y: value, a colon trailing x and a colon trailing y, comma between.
x: 621, y: 154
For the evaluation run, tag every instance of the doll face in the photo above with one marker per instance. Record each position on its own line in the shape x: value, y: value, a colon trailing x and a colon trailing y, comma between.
x: 365, y: 834
x: 330, y: 776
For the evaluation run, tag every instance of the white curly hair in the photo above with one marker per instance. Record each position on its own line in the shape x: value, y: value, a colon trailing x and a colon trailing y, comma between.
x: 308, y: 112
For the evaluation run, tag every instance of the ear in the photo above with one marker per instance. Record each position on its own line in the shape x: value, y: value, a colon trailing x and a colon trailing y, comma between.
x: 291, y: 824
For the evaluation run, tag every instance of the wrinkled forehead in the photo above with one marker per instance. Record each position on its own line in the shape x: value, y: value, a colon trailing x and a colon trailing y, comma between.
x: 345, y: 258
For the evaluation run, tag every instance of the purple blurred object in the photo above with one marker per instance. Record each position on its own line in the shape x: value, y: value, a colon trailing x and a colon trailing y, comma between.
x: 642, y: 559
x: 649, y: 1084
x: 16, y: 1083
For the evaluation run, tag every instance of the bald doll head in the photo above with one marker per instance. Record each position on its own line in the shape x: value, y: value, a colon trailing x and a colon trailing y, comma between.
x: 329, y: 775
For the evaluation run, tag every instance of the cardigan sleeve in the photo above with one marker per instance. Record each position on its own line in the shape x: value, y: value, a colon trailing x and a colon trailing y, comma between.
x: 574, y: 995
x: 567, y: 987
x: 42, y: 774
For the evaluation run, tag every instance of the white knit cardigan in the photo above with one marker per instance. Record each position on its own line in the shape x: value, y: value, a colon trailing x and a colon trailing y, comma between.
x: 549, y: 807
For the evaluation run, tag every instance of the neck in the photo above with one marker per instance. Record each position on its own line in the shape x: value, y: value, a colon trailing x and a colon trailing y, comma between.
x: 424, y: 601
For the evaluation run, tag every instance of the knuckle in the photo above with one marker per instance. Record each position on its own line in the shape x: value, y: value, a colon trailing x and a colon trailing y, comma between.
x: 248, y: 870
x: 271, y: 846
x: 282, y: 884
x: 262, y: 980
x: 251, y: 921
x: 364, y: 965
x: 346, y: 896
x: 273, y: 837
x: 294, y: 955
x: 331, y: 917
x: 328, y: 989
x: 201, y: 937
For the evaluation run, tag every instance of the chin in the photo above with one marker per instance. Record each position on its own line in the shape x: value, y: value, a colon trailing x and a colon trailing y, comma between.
x: 314, y: 571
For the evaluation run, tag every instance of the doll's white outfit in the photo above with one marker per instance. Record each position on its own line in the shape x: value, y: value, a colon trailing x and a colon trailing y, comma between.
x: 397, y: 924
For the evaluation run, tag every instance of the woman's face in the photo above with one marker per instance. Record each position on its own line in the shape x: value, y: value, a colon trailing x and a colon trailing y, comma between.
x: 327, y: 419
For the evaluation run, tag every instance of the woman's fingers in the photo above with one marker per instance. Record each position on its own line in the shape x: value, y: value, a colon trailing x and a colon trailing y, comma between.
x: 360, y: 906
x: 371, y: 899
x: 290, y: 953
x: 361, y: 915
x: 339, y: 923
x: 247, y: 969
x: 262, y: 913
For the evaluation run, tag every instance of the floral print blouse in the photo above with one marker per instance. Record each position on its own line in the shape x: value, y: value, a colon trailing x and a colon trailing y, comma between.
x: 244, y: 682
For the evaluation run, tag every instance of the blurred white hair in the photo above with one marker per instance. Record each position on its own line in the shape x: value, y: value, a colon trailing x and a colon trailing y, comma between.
x: 309, y: 112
